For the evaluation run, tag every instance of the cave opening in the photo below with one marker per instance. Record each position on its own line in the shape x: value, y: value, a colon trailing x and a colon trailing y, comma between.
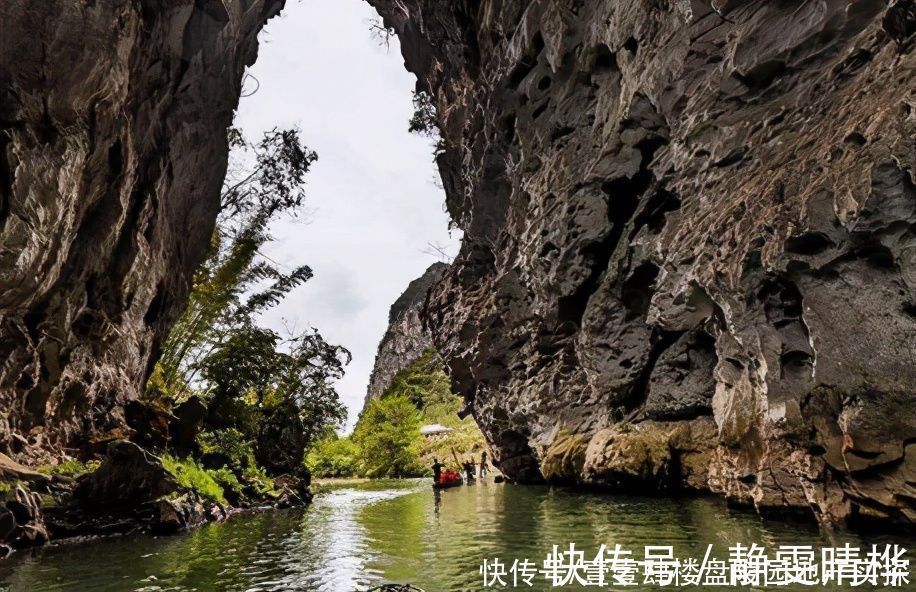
x: 375, y: 216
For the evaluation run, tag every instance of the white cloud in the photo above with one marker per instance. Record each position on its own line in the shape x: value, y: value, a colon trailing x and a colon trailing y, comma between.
x: 372, y: 201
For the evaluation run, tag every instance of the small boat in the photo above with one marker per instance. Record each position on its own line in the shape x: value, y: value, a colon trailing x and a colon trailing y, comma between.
x: 448, y: 479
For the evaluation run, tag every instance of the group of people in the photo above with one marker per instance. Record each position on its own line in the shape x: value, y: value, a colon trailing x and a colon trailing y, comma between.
x: 468, y: 467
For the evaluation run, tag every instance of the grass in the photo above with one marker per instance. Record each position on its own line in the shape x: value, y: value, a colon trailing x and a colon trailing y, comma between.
x: 190, y: 475
x: 69, y: 468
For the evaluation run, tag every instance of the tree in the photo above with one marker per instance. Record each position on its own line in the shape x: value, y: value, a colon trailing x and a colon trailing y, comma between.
x: 333, y: 456
x: 276, y: 392
x: 388, y: 437
x: 236, y: 282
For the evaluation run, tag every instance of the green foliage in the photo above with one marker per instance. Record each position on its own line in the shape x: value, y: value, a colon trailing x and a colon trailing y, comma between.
x: 5, y: 487
x: 388, y: 438
x: 268, y: 395
x: 191, y: 475
x: 249, y: 372
x: 230, y: 443
x: 69, y: 468
x: 256, y: 478
x: 425, y: 384
x: 333, y: 456
x: 242, y: 474
x: 227, y: 480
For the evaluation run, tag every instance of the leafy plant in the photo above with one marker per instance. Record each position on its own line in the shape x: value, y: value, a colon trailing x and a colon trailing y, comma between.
x: 190, y: 475
x: 70, y: 468
x: 268, y: 396
x: 227, y: 480
x: 388, y: 437
x: 257, y: 479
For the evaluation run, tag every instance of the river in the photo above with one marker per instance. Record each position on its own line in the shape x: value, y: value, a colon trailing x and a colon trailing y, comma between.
x: 356, y: 536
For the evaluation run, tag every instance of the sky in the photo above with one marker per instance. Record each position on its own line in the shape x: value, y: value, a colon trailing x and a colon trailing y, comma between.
x: 373, y: 200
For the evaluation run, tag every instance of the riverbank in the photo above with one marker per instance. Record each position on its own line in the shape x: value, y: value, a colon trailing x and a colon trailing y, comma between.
x: 131, y: 490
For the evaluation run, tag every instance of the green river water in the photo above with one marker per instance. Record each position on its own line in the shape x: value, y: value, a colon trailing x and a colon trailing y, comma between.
x: 354, y: 537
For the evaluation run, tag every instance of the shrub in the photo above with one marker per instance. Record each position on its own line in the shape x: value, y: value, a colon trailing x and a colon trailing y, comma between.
x: 256, y: 478
x: 227, y: 480
x: 190, y: 475
x: 230, y: 443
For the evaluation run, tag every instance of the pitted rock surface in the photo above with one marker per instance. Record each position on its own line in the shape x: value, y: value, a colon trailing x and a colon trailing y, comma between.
x: 682, y: 211
x: 688, y: 212
x: 113, y: 148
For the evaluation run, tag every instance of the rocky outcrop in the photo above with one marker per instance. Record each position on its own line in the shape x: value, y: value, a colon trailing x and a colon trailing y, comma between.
x: 113, y: 120
x: 690, y: 233
x: 406, y: 339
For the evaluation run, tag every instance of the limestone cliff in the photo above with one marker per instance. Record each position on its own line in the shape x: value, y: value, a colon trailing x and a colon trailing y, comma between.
x: 689, y: 256
x: 406, y: 339
x: 689, y: 228
x: 113, y: 120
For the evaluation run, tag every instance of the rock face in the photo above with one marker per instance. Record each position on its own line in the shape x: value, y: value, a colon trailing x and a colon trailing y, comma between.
x: 406, y: 339
x: 112, y: 152
x: 689, y: 253
x: 690, y: 241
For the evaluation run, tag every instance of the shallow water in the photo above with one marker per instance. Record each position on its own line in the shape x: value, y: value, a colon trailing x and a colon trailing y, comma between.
x: 357, y: 536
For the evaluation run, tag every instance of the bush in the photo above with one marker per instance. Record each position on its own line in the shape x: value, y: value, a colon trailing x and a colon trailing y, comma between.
x: 256, y: 478
x: 190, y: 475
x: 228, y: 481
x: 231, y: 444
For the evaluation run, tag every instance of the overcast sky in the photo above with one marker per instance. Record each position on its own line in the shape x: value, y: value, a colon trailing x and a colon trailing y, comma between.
x: 372, y: 196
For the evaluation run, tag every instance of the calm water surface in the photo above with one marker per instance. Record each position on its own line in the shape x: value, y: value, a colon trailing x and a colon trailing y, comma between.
x: 356, y: 536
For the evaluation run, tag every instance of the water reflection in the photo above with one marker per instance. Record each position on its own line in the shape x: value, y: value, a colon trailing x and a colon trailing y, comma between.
x: 354, y: 537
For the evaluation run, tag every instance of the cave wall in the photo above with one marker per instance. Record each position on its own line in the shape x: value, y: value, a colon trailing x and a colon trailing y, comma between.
x: 689, y: 242
x: 688, y: 255
x: 112, y: 153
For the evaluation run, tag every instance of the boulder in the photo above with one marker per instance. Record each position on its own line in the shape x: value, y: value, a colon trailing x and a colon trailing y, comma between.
x: 128, y: 477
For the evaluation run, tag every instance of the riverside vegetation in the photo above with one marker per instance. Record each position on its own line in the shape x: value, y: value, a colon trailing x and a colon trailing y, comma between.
x: 387, y: 442
x: 230, y: 407
x: 236, y: 415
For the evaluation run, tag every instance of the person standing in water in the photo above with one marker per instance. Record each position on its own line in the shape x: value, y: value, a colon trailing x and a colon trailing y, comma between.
x: 469, y: 470
x: 437, y: 470
x: 483, y: 464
